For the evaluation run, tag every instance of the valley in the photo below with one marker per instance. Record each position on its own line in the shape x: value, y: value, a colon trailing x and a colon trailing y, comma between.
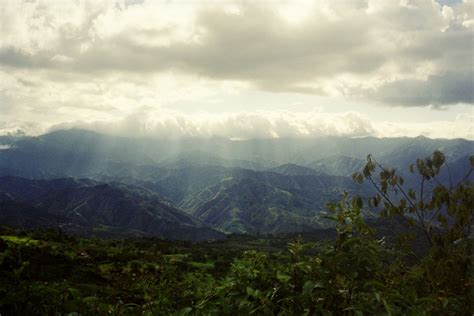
x: 193, y: 189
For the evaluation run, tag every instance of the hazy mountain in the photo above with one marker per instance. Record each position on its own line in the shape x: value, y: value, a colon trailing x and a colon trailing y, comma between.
x: 290, y: 169
x: 90, y: 204
x: 338, y: 165
x: 231, y: 200
x: 199, y: 158
x: 174, y: 188
x: 83, y: 153
x: 266, y: 202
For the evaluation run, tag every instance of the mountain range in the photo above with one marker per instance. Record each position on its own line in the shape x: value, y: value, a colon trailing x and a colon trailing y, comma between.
x: 82, y: 204
x: 193, y: 189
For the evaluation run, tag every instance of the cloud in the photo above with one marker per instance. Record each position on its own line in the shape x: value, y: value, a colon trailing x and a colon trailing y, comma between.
x: 436, y: 90
x: 405, y: 53
x: 152, y: 121
x: 250, y: 125
x: 461, y: 127
x: 180, y: 68
x: 244, y: 125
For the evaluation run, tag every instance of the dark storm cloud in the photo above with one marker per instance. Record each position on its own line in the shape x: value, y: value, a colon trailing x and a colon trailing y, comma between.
x: 16, y: 58
x: 449, y: 88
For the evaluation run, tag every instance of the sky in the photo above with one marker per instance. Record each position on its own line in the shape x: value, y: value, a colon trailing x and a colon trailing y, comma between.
x: 238, y: 69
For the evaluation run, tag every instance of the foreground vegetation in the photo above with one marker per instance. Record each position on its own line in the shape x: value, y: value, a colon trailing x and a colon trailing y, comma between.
x: 356, y: 273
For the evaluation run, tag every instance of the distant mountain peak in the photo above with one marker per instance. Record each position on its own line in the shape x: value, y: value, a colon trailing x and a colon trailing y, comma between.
x: 291, y: 169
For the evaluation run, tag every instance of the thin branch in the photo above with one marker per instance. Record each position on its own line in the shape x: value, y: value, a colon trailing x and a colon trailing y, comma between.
x: 449, y: 175
x: 463, y: 179
x: 390, y: 202
x: 437, y: 181
x: 380, y: 191
x: 399, y: 187
x: 419, y: 214
x: 434, y: 215
x: 422, y: 205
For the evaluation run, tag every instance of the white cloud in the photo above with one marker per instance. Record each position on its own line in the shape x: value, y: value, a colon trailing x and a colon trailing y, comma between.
x: 244, y: 125
x: 461, y: 127
x: 104, y: 61
x: 248, y: 125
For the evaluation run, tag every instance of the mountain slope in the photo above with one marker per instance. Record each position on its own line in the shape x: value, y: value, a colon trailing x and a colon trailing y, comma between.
x: 91, y: 204
x: 290, y: 169
x: 337, y: 165
x: 266, y: 202
x: 19, y: 214
x: 200, y: 177
x: 82, y: 153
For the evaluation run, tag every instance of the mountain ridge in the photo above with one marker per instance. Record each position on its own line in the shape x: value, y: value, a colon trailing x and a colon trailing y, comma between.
x: 246, y: 186
x: 104, y: 204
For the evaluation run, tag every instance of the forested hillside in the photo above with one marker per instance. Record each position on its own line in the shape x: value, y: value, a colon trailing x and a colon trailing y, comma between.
x: 196, y: 188
x: 417, y: 260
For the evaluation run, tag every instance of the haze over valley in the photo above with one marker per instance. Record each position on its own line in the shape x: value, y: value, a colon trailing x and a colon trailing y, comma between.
x: 195, y: 188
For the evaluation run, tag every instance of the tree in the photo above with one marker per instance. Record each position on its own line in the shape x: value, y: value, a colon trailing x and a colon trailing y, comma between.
x: 443, y: 213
